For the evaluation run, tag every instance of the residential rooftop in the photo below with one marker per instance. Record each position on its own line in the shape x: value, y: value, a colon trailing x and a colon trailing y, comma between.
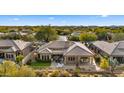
x: 65, y: 48
x: 115, y: 48
x: 14, y: 45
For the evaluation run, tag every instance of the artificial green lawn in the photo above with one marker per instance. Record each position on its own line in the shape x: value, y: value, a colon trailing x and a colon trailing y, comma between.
x: 39, y: 64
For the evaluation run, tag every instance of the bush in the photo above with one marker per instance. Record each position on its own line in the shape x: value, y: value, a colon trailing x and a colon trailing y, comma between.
x: 55, y: 73
x: 19, y: 58
x: 74, y: 38
x: 104, y: 64
x: 9, y: 68
x: 87, y: 37
x: 118, y: 37
x: 25, y: 71
x: 77, y: 72
x: 65, y: 73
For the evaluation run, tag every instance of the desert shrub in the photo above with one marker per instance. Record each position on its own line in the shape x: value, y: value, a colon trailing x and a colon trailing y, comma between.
x: 74, y: 38
x: 11, y: 69
x: 76, y: 72
x: 65, y: 73
x: 55, y: 73
x: 25, y: 71
x: 104, y: 64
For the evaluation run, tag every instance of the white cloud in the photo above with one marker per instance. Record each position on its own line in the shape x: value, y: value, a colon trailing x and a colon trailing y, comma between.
x: 51, y: 18
x: 104, y: 15
x: 16, y: 19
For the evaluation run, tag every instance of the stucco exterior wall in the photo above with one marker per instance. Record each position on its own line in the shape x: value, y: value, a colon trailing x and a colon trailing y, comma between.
x: 26, y: 51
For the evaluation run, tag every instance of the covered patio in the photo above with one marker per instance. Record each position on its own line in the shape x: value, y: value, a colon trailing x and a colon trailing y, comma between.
x: 120, y: 59
x: 81, y: 60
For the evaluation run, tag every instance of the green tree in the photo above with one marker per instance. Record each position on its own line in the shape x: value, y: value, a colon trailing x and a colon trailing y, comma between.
x: 102, y: 35
x: 104, y: 64
x: 47, y: 34
x: 118, y: 37
x: 87, y: 37
x: 13, y: 36
x: 28, y: 38
x: 74, y: 38
x: 19, y: 59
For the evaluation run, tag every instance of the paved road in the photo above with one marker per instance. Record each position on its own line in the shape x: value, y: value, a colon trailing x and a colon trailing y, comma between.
x: 62, y: 38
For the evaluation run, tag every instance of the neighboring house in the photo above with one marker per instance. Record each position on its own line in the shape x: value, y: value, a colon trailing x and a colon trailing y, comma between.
x: 66, y: 52
x: 112, y: 50
x: 9, y: 49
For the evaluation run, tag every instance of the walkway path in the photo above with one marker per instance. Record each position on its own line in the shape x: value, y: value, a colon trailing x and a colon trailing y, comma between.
x: 28, y: 57
x: 97, y: 68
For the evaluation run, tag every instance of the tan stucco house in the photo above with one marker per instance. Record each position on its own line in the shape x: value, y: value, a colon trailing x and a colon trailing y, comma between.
x: 112, y: 50
x: 67, y: 52
x: 9, y: 49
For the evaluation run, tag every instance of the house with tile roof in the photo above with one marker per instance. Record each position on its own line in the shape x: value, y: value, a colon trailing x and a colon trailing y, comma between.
x: 67, y: 52
x: 113, y: 50
x: 9, y: 49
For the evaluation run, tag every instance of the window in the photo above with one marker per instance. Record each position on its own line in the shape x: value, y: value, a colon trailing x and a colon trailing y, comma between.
x: 9, y: 55
x: 4, y: 47
x: 71, y: 58
x: 85, y: 59
x: 42, y: 57
x: 12, y: 56
x: 6, y: 55
x: 45, y: 57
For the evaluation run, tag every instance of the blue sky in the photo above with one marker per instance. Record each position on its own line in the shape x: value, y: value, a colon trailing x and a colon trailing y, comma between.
x: 14, y: 20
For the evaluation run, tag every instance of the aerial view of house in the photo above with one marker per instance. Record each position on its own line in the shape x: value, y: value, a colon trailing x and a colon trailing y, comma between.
x: 66, y: 52
x: 61, y: 49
